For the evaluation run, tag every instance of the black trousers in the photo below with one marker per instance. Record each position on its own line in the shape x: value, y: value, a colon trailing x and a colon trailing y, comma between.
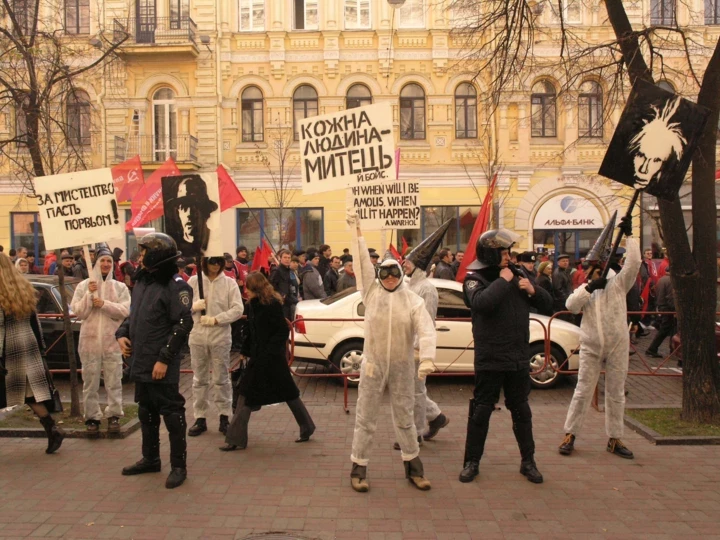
x: 155, y: 400
x: 667, y: 329
x: 516, y: 386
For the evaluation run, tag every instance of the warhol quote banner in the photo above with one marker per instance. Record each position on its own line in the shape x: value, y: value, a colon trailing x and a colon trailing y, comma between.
x: 77, y: 208
x: 395, y: 205
x: 349, y: 148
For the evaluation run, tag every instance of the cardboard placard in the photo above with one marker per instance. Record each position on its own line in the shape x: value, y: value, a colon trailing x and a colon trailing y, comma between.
x: 348, y: 148
x: 394, y: 205
x: 77, y: 208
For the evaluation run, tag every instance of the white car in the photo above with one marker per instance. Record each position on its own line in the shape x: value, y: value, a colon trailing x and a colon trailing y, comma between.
x: 340, y: 340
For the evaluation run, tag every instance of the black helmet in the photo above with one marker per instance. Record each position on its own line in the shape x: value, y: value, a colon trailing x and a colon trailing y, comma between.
x: 159, y: 248
x: 490, y: 245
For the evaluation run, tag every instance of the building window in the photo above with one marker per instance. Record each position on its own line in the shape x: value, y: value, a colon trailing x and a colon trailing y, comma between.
x: 291, y: 228
x: 305, y: 105
x: 306, y: 14
x: 466, y: 15
x: 77, y: 16
x: 571, y: 12
x: 357, y: 14
x: 712, y: 11
x: 26, y: 231
x: 131, y: 246
x: 412, y: 112
x: 24, y: 11
x: 431, y: 217
x: 358, y: 95
x: 252, y: 15
x: 543, y: 109
x: 252, y: 114
x: 78, y: 118
x: 178, y: 12
x: 662, y: 12
x: 590, y: 106
x: 465, y: 112
x: 412, y: 14
x: 164, y: 125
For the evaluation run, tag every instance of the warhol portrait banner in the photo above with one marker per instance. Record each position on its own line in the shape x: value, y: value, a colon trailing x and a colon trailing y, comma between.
x: 349, y: 148
x: 77, y: 208
x: 192, y: 213
x: 654, y: 141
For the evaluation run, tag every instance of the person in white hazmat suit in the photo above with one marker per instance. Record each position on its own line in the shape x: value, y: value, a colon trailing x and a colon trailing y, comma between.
x: 210, y: 341
x: 102, y: 304
x: 429, y: 419
x: 393, y: 316
x: 604, y: 337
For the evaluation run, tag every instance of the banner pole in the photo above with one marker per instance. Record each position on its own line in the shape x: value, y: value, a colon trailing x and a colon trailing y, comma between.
x: 198, y: 266
x: 88, y: 263
x: 616, y: 245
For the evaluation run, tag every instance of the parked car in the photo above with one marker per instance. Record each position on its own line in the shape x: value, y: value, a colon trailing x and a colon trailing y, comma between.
x: 341, y: 341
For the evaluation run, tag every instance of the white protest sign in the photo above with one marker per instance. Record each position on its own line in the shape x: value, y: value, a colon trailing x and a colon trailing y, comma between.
x: 77, y: 208
x: 394, y: 205
x: 347, y: 148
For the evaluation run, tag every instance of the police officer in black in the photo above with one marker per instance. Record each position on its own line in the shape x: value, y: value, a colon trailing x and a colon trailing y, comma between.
x: 499, y: 300
x: 159, y: 323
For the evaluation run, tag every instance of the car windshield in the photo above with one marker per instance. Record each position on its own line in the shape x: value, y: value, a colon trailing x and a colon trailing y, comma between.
x: 338, y: 296
x: 69, y: 288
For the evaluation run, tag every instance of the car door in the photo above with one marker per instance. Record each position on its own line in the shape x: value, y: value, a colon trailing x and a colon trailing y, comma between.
x: 454, y: 338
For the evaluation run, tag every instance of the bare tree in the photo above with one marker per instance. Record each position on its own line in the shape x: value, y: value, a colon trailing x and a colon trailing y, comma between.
x: 502, y: 42
x: 41, y: 64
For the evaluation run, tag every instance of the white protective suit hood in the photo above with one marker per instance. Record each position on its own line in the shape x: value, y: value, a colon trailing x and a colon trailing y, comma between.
x: 388, y: 263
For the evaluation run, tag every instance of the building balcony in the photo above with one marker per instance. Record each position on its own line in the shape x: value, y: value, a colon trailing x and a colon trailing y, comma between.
x: 183, y: 150
x: 149, y: 36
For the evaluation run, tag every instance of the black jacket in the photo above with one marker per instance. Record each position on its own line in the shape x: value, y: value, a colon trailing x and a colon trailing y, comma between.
x: 545, y: 282
x: 500, y: 319
x: 562, y: 288
x: 444, y: 271
x: 330, y: 281
x: 267, y: 378
x: 280, y: 280
x: 323, y: 266
x: 159, y: 323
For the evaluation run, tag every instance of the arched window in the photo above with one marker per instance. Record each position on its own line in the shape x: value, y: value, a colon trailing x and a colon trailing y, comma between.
x: 543, y: 110
x: 305, y: 105
x: 358, y: 95
x: 252, y: 114
x: 590, y: 107
x: 665, y: 85
x: 78, y: 119
x: 77, y: 16
x: 164, y: 125
x: 412, y: 112
x: 465, y: 112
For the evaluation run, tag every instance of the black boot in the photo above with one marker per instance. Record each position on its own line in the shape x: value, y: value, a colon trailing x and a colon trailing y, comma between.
x: 224, y: 423
x: 477, y: 430
x: 177, y: 428
x: 615, y: 446
x: 415, y: 472
x: 436, y: 425
x: 530, y: 471
x: 471, y: 470
x: 55, y: 434
x: 303, y: 419
x: 143, y: 466
x: 150, y: 428
x: 198, y: 428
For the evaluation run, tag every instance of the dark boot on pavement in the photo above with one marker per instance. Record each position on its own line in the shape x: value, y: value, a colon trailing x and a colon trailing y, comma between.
x: 436, y: 425
x: 113, y: 424
x: 92, y: 427
x: 303, y: 419
x: 54, y: 433
x: 568, y: 445
x: 198, y: 428
x: 358, y: 478
x: 470, y: 471
x: 176, y: 477
x: 529, y: 470
x: 615, y: 446
x: 150, y: 429
x: 143, y: 466
x: 224, y: 423
x: 415, y: 472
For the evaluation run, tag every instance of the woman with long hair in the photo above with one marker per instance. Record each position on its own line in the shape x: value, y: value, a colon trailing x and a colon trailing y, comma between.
x: 267, y: 378
x: 21, y: 341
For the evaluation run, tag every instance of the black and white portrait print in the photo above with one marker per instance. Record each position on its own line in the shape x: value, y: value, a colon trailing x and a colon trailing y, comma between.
x: 192, y: 213
x: 654, y: 141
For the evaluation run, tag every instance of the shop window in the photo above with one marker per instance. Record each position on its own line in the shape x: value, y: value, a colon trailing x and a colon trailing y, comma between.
x: 358, y: 95
x: 357, y: 14
x: 26, y: 231
x: 78, y: 119
x: 305, y: 105
x: 252, y: 15
x: 662, y: 12
x: 77, y: 16
x: 412, y: 112
x: 292, y: 228
x: 465, y: 112
x: 412, y: 14
x: 543, y: 109
x: 590, y: 108
x: 306, y: 14
x: 252, y: 114
x: 431, y: 217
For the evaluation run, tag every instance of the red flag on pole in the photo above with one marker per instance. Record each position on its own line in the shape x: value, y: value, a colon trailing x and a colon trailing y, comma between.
x: 481, y: 225
x: 148, y: 202
x: 395, y: 252
x: 645, y: 295
x: 262, y: 257
x: 404, y: 247
x: 229, y: 193
x: 128, y: 179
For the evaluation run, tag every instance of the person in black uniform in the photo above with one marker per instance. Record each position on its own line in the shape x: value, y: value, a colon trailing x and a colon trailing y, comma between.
x: 499, y: 302
x: 159, y: 323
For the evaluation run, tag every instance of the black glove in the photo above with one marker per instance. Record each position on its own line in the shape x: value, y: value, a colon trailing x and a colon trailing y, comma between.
x: 626, y: 225
x: 596, y: 284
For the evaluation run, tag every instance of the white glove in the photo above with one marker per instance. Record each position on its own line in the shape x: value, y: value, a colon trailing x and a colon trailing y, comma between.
x: 206, y: 320
x: 199, y: 305
x: 352, y: 218
x: 426, y: 368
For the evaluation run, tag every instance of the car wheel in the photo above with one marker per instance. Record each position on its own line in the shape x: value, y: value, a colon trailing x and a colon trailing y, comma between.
x: 346, y: 359
x: 549, y: 377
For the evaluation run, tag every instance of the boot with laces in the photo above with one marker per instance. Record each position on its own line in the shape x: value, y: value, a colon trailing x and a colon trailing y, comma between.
x: 568, y: 445
x: 530, y: 471
x: 436, y: 425
x: 198, y: 428
x: 470, y: 471
x: 615, y: 446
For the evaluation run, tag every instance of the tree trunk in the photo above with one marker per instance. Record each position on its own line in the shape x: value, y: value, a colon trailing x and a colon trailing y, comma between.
x: 69, y: 340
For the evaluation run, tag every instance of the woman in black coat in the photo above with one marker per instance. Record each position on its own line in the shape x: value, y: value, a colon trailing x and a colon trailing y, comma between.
x: 267, y: 378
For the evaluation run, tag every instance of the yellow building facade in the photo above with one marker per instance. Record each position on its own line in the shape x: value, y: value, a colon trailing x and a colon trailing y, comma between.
x: 224, y: 81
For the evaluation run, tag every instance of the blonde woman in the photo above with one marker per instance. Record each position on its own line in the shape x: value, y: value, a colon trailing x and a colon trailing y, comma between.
x: 20, y: 343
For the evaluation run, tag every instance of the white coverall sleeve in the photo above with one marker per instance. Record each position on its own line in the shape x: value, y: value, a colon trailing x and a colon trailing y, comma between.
x: 627, y: 276
x: 425, y: 331
x: 121, y: 309
x: 236, y: 306
x: 578, y: 299
x: 81, y: 304
x: 367, y: 269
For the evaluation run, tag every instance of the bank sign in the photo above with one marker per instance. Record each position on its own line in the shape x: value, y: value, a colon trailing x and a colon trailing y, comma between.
x: 568, y: 212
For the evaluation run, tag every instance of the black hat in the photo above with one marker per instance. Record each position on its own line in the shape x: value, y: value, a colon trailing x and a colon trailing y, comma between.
x: 66, y: 255
x: 527, y: 256
x: 374, y: 255
x: 192, y: 190
x: 298, y: 252
x: 424, y: 251
x: 103, y: 251
x: 117, y: 253
x: 563, y: 256
x: 311, y: 254
x: 346, y: 259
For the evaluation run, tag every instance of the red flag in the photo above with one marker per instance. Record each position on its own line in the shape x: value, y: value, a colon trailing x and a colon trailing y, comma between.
x: 148, y: 202
x: 128, y: 179
x: 645, y: 295
x: 262, y: 257
x: 404, y: 247
x: 481, y: 225
x: 229, y: 193
x: 717, y: 174
x: 395, y: 252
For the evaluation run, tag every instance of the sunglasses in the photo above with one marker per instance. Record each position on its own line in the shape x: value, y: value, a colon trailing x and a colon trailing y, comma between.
x: 216, y: 262
x: 393, y: 271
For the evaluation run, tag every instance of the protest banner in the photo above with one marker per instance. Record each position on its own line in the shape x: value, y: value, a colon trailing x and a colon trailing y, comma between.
x: 392, y: 205
x: 347, y: 148
x: 77, y: 208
